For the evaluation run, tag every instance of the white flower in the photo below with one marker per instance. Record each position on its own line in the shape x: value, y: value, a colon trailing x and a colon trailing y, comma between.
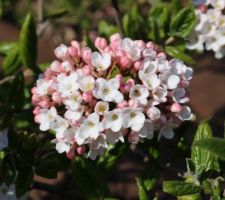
x: 90, y: 129
x: 67, y: 84
x: 114, y: 137
x: 61, y: 51
x: 219, y: 4
x: 101, y: 61
x: 147, y: 131
x: 159, y: 94
x: 108, y: 90
x: 64, y: 144
x: 151, y: 81
x: 150, y: 53
x: 195, y: 41
x: 101, y: 107
x: 187, y: 75
x: 179, y: 95
x: 140, y: 93
x: 73, y: 100
x: 59, y: 125
x: 113, y: 120
x: 3, y: 139
x: 131, y: 48
x: 74, y: 115
x: 97, y: 147
x: 185, y: 113
x: 166, y: 131
x: 43, y: 86
x: 149, y: 67
x: 170, y: 80
x: 153, y: 113
x: 45, y: 117
x: 134, y: 119
x: 86, y: 83
x: 202, y: 19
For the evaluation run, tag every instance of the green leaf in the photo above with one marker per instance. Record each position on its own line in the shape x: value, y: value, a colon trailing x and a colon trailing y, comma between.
x: 141, y: 190
x: 23, y: 180
x: 1, y: 8
x: 150, y: 183
x: 196, y: 196
x: 12, y: 61
x: 176, y: 53
x: 106, y: 29
x: 153, y: 30
x: 6, y: 47
x: 44, y: 66
x: 8, y: 171
x: 56, y: 14
x: 214, y: 145
x: 28, y: 42
x: 203, y: 159
x: 180, y: 188
x: 183, y: 23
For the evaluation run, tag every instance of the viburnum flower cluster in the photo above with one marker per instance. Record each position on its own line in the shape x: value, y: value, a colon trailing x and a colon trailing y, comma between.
x: 124, y: 89
x: 209, y: 32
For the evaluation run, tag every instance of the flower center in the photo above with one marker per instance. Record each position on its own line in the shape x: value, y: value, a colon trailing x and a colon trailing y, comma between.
x: 102, y: 108
x: 90, y: 124
x: 89, y: 86
x: 114, y: 117
x: 106, y: 91
x: 137, y: 93
x: 132, y: 114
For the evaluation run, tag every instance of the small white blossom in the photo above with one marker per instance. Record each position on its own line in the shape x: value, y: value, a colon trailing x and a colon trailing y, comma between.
x: 74, y: 115
x: 185, y: 113
x: 61, y: 51
x: 43, y: 86
x: 147, y: 131
x: 140, y: 93
x: 113, y: 120
x: 101, y: 107
x: 108, y: 90
x: 101, y: 61
x: 131, y: 48
x: 153, y: 113
x: 134, y: 119
x: 45, y: 117
x: 59, y: 125
x: 86, y: 83
x: 114, y: 137
x: 151, y: 81
x: 166, y: 131
x: 149, y: 67
x: 67, y: 84
x: 90, y: 129
x: 73, y: 100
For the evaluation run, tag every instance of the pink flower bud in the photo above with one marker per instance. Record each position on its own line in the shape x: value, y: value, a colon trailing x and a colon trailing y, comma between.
x: 87, y: 70
x: 76, y: 45
x: 119, y: 77
x: 175, y: 107
x: 125, y: 62
x: 56, y: 97
x: 61, y: 52
x: 150, y: 45
x: 81, y: 150
x: 70, y: 154
x: 114, y: 37
x: 161, y: 55
x: 138, y: 65
x: 203, y: 8
x: 100, y: 43
x: 73, y: 52
x: 36, y: 119
x: 44, y: 104
x: 123, y: 104
x: 86, y: 55
x: 132, y: 103
x: 55, y: 66
x: 36, y: 110
x: 87, y: 96
x: 93, y: 103
x: 67, y: 66
x: 33, y: 90
x: 141, y: 44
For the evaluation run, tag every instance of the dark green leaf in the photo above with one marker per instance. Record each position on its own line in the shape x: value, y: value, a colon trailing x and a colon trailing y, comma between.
x: 23, y: 180
x: 12, y: 61
x: 106, y: 29
x: 176, y: 53
x: 214, y: 145
x: 141, y: 190
x: 183, y: 23
x: 203, y: 159
x: 150, y: 183
x: 8, y: 171
x: 196, y: 196
x: 6, y: 47
x: 56, y: 14
x: 1, y: 8
x: 153, y: 32
x: 180, y: 188
x: 44, y: 66
x: 28, y: 42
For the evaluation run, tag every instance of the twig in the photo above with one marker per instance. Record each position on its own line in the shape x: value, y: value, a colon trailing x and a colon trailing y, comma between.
x: 6, y: 79
x: 118, y: 16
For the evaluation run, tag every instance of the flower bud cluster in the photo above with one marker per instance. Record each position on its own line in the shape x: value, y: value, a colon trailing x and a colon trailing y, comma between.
x: 126, y: 89
x: 209, y: 32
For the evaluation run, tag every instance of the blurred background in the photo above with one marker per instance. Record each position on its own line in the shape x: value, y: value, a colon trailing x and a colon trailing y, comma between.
x: 60, y: 21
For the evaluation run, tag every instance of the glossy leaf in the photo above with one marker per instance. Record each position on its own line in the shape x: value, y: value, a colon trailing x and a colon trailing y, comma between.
x: 180, y: 188
x: 56, y: 14
x: 203, y: 159
x: 141, y: 190
x: 176, y: 53
x: 28, y: 42
x: 196, y: 196
x: 183, y: 23
x: 12, y: 61
x: 215, y: 146
x: 6, y: 47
